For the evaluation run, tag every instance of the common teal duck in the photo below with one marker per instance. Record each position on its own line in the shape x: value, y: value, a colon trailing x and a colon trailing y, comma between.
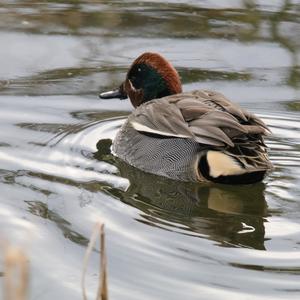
x: 194, y: 136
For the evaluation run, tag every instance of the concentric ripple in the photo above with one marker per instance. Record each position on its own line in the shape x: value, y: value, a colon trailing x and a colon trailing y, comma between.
x: 64, y: 178
x: 165, y: 239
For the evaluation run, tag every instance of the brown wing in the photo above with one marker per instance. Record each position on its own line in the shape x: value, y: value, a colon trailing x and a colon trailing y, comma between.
x: 204, y: 116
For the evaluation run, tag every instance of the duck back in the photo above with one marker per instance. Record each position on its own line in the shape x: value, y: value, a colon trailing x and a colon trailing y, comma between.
x: 197, y: 136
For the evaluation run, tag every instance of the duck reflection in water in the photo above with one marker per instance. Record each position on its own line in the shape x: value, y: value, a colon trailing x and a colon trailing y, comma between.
x: 233, y: 216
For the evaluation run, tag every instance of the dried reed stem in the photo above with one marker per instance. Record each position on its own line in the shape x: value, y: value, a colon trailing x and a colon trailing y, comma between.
x: 102, y: 293
x: 16, y: 275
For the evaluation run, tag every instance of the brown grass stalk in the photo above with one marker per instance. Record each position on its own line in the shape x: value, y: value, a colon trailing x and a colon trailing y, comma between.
x: 102, y: 293
x: 16, y: 274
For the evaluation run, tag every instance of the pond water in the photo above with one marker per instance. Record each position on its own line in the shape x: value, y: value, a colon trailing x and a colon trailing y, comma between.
x: 165, y: 239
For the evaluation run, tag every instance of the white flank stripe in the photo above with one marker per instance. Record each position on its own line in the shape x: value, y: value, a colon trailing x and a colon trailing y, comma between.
x: 143, y: 128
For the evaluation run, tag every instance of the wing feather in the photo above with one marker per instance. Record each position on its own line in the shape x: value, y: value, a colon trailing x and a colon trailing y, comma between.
x: 204, y: 116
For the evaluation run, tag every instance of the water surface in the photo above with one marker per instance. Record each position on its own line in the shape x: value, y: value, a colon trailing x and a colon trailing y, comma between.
x: 165, y: 239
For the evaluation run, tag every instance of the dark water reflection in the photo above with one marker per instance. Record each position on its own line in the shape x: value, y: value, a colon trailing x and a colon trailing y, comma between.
x: 41, y: 209
x: 233, y: 217
x: 165, y: 239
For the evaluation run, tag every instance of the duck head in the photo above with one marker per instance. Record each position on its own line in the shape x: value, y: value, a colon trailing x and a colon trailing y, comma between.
x: 150, y: 77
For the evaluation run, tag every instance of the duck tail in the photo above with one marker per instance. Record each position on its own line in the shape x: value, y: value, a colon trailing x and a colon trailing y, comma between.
x: 222, y: 167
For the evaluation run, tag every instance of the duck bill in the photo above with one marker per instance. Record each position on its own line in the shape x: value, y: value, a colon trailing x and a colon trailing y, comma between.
x: 119, y: 93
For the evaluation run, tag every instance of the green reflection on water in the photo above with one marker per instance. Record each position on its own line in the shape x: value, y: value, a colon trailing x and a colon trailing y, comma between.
x: 295, y: 106
x: 108, y: 19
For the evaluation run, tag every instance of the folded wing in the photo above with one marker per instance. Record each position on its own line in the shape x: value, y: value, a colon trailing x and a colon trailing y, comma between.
x: 204, y: 116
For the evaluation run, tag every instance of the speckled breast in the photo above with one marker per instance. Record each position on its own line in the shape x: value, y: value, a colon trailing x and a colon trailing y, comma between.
x: 175, y: 158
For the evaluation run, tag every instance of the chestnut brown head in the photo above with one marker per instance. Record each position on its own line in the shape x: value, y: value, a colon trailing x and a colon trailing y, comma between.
x: 150, y: 77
